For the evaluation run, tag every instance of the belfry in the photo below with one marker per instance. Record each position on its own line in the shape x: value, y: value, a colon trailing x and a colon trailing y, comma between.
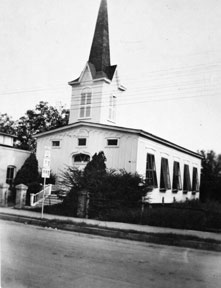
x: 95, y: 92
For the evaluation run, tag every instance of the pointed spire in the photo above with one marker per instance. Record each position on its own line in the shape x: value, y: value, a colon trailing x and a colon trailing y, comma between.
x: 100, y: 50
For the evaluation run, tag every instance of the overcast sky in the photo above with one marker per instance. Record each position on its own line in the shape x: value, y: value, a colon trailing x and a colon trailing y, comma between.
x: 167, y: 51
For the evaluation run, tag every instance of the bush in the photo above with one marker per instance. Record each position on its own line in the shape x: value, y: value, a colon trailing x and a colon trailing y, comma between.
x: 28, y: 172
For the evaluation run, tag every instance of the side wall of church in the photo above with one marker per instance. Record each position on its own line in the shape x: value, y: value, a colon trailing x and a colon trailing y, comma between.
x: 158, y: 150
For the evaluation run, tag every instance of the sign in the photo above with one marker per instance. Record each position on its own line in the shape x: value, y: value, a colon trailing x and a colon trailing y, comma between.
x: 47, y: 153
x: 45, y: 173
x: 46, y: 163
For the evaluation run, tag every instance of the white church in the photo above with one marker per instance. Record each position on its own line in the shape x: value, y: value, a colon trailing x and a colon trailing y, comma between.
x: 172, y: 172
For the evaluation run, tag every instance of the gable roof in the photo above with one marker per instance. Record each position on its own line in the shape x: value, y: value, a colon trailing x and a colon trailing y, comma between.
x: 138, y: 132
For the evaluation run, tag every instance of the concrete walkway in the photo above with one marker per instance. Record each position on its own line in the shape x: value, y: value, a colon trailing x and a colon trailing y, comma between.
x: 113, y: 225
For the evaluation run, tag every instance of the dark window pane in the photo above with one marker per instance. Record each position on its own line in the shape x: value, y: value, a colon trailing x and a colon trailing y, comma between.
x: 151, y: 176
x: 55, y: 143
x: 82, y: 142
x: 186, y: 179
x: 112, y: 142
x: 164, y: 175
x: 81, y: 158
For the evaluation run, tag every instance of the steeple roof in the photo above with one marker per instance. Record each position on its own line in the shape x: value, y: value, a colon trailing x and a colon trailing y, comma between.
x: 100, y: 48
x: 99, y: 58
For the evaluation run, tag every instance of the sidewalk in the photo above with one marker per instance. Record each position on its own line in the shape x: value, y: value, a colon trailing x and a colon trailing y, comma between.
x: 112, y: 225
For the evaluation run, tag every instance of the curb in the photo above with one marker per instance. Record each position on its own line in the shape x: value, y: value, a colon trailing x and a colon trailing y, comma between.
x: 157, y: 238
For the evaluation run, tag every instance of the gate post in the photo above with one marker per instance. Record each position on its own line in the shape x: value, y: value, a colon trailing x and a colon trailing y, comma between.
x: 21, y: 191
x: 83, y: 204
x: 4, y: 190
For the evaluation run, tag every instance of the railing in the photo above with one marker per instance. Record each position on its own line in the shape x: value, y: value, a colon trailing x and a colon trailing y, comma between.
x: 38, y: 197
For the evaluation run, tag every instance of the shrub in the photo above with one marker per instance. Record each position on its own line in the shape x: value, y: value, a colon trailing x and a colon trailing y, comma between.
x: 28, y: 172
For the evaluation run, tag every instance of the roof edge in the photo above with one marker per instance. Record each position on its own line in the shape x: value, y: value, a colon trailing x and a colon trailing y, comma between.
x: 139, y: 132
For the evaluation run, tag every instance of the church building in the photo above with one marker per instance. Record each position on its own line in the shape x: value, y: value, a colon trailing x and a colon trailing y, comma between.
x: 172, y: 172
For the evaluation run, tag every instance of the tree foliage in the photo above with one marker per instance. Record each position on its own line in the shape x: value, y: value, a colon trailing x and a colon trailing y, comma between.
x: 42, y: 118
x: 210, y: 176
x: 7, y: 125
x: 29, y: 171
x: 108, y: 189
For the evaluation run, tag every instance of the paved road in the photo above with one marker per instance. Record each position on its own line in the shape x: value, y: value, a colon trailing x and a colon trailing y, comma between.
x: 38, y: 257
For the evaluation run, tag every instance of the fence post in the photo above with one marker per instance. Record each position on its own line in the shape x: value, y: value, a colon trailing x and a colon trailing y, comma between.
x: 4, y: 194
x: 83, y: 203
x: 21, y: 191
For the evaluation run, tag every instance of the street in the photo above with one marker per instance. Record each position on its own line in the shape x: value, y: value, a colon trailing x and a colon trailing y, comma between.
x: 33, y: 256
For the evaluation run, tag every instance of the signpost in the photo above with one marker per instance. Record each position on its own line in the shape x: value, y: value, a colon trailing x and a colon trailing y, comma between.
x: 45, y: 173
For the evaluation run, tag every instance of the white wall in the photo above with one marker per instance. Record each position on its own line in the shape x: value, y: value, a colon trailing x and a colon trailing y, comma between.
x: 147, y: 146
x: 130, y: 155
x: 11, y: 156
x: 120, y: 157
x: 101, y: 91
x: 6, y: 140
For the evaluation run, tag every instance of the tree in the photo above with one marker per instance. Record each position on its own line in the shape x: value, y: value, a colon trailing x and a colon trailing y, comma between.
x: 7, y: 125
x: 108, y: 189
x: 210, y: 176
x: 41, y: 119
x: 29, y: 171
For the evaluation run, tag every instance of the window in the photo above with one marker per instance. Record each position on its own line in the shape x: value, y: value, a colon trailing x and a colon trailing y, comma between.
x: 151, y: 176
x: 164, y: 175
x: 195, y: 184
x: 186, y: 179
x: 112, y: 142
x: 81, y: 158
x: 10, y: 175
x: 56, y: 143
x: 176, y: 177
x: 82, y: 141
x: 85, y: 105
x: 112, y: 108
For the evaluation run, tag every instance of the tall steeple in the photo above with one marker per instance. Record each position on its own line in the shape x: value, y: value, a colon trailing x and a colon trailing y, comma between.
x: 95, y: 92
x: 100, y: 49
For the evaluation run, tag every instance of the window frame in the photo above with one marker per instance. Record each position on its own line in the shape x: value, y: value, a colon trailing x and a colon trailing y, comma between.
x: 164, y: 175
x: 81, y: 139
x: 56, y: 146
x: 112, y: 145
x: 186, y: 179
x: 151, y: 174
x: 177, y: 183
x: 85, y: 103
x: 81, y: 155
x: 9, y: 180
x: 195, y: 180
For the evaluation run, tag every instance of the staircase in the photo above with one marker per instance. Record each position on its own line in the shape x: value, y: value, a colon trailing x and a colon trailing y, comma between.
x: 50, y: 200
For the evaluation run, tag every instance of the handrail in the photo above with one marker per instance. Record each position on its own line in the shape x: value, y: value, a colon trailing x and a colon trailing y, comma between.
x: 38, y: 197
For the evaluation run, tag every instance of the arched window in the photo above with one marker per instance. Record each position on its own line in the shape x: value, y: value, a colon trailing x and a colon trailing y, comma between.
x: 81, y: 158
x: 85, y: 105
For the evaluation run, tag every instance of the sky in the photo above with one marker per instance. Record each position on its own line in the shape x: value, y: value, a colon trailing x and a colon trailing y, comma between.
x: 167, y: 51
